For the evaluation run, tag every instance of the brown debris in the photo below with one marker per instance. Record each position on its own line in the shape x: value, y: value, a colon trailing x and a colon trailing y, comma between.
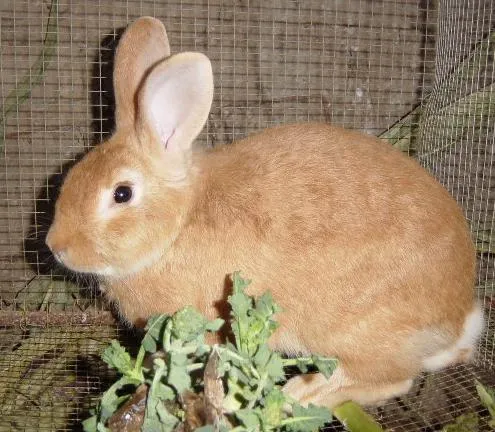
x: 130, y: 416
x: 214, y: 391
x: 200, y: 409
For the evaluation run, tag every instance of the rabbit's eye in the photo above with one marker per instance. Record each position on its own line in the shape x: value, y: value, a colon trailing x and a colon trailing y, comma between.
x: 122, y: 194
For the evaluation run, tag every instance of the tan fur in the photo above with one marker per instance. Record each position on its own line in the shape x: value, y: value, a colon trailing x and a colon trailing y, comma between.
x: 132, y: 62
x: 368, y: 255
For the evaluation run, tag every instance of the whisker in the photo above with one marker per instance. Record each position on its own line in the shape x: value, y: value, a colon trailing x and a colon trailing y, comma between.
x: 36, y: 236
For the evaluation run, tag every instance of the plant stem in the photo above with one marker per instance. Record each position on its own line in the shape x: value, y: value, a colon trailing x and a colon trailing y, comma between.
x: 246, y: 364
x: 291, y: 420
x: 195, y: 366
x: 296, y: 361
x: 355, y: 419
x: 259, y: 391
x: 139, y: 359
x: 188, y: 350
x: 167, y: 335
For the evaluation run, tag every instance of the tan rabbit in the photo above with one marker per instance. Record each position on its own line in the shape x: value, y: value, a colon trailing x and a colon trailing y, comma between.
x: 368, y: 255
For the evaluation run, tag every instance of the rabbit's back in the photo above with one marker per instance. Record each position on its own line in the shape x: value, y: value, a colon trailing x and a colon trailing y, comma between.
x: 327, y: 186
x: 353, y: 239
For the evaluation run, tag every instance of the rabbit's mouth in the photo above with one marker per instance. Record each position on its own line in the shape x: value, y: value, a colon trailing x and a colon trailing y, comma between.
x: 63, y: 257
x: 74, y: 260
x: 109, y: 271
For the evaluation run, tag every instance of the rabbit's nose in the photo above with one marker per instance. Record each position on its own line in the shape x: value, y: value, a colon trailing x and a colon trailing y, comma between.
x: 59, y: 251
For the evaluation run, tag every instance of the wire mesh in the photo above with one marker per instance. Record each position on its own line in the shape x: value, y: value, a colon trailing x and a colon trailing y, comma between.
x: 417, y: 73
x: 457, y: 130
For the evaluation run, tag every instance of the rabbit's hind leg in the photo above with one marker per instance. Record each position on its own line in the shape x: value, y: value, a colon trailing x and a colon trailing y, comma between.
x: 339, y: 388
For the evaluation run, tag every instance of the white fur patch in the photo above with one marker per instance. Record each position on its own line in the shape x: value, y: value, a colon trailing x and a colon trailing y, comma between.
x: 106, y: 271
x: 107, y: 207
x: 464, y: 347
x: 151, y: 257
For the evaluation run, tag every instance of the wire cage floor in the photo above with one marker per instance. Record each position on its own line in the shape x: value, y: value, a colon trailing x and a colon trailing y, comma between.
x: 419, y: 74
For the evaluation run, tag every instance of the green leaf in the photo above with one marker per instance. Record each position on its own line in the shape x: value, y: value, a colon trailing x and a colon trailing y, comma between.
x: 487, y: 397
x: 166, y: 418
x: 262, y: 356
x: 265, y: 308
x: 262, y: 324
x: 157, y: 418
x: 251, y: 321
x: 240, y: 376
x: 464, y: 423
x: 325, y: 365
x: 90, y: 424
x: 202, y: 350
x: 179, y: 379
x: 154, y: 330
x: 178, y: 359
x: 214, y: 326
x: 111, y: 401
x: 154, y: 424
x: 101, y: 428
x: 241, y: 304
x: 266, y: 305
x: 307, y: 419
x: 117, y: 357
x: 164, y: 392
x: 275, y: 367
x: 239, y: 284
x: 178, y: 376
x: 250, y: 418
x: 273, y: 407
x: 188, y: 324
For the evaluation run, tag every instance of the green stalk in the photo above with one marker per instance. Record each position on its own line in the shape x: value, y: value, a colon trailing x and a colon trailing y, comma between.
x: 296, y: 361
x: 167, y: 336
x: 259, y: 391
x: 138, y: 372
x: 36, y: 72
x: 195, y: 366
x: 355, y: 419
x: 188, y: 350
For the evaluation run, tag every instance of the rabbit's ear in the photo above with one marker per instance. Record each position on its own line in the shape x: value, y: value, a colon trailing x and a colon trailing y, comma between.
x: 173, y: 107
x: 143, y: 44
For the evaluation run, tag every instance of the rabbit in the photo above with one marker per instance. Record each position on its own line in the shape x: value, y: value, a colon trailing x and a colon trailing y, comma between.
x: 369, y: 257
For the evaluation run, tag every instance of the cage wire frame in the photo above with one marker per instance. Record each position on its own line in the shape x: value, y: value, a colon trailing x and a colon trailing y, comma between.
x: 417, y: 73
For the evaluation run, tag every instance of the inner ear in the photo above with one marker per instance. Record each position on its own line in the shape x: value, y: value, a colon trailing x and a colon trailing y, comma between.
x: 175, y: 102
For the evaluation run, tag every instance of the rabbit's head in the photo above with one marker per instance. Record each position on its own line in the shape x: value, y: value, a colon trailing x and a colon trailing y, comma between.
x: 122, y: 205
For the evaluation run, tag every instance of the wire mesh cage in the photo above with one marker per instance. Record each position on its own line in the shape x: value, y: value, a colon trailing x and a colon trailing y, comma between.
x: 418, y: 74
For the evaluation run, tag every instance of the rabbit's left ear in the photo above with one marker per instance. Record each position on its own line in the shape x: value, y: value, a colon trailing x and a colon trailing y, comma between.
x: 143, y: 44
x: 173, y: 107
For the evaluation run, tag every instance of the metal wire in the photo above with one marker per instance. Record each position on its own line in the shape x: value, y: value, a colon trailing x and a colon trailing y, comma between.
x: 360, y: 64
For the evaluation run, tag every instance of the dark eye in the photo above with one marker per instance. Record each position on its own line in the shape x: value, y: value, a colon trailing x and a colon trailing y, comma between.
x: 122, y: 194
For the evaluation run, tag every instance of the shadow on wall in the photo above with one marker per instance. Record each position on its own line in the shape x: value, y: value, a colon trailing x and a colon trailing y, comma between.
x: 36, y: 253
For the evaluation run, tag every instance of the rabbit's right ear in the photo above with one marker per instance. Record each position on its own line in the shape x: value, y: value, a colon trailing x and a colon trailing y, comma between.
x: 143, y: 44
x: 173, y: 106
